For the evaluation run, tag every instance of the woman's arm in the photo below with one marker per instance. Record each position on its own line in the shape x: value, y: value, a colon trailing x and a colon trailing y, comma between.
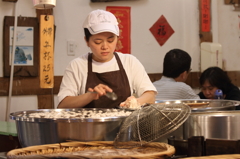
x: 146, y: 97
x: 77, y: 101
x: 83, y: 99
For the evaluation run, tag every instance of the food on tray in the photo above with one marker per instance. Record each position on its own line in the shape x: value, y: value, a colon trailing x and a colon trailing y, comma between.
x: 95, y: 149
x: 197, y: 104
x: 80, y: 114
x: 131, y: 103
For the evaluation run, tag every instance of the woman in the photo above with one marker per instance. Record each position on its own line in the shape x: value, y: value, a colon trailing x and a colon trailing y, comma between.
x: 215, y: 78
x: 89, y: 77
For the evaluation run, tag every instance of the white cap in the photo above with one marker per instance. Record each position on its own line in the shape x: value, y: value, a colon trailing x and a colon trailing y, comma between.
x: 99, y: 21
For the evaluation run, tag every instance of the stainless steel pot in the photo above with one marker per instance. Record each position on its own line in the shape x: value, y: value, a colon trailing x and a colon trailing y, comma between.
x: 204, y: 105
x: 38, y: 131
x: 212, y: 119
x: 218, y: 125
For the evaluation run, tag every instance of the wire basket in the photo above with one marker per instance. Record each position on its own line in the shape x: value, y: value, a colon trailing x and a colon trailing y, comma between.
x: 150, y: 123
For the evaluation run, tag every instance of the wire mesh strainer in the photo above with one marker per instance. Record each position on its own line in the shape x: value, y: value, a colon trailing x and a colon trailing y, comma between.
x: 151, y: 123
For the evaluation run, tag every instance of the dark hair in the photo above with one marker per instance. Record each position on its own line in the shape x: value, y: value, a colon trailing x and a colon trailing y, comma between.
x: 176, y: 61
x: 87, y: 34
x: 216, y: 78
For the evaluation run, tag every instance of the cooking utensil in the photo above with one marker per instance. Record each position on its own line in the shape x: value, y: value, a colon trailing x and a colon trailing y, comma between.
x: 38, y: 131
x: 202, y: 125
x: 213, y: 125
x: 150, y: 123
x: 203, y: 105
x: 110, y: 95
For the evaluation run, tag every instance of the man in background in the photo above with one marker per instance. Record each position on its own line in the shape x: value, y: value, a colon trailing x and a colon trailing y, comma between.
x: 176, y: 67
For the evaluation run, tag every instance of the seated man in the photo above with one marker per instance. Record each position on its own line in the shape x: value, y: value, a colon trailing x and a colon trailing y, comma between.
x: 176, y: 67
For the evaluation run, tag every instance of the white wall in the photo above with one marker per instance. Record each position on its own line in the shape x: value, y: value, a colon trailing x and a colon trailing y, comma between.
x: 144, y: 13
x: 182, y: 15
x: 229, y: 35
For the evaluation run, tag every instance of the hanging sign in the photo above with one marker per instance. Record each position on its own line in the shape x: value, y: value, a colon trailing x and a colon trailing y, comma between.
x: 46, y: 51
x: 161, y: 30
x: 239, y: 26
x: 123, y: 16
x: 205, y: 16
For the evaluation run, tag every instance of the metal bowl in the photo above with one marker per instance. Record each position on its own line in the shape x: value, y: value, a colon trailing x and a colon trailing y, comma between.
x: 42, y: 130
x: 203, y: 105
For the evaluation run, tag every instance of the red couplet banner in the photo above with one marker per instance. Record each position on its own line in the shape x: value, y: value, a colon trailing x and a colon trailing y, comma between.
x: 123, y: 16
x: 205, y: 15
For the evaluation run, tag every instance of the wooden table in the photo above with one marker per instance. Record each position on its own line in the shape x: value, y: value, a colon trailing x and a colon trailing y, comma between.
x: 8, y: 136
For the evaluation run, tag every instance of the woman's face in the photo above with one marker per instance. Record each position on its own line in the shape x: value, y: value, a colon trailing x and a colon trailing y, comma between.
x: 208, y: 90
x: 103, y: 45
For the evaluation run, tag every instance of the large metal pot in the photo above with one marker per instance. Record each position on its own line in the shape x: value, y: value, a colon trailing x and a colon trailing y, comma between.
x: 38, y: 131
x: 217, y: 124
x: 211, y: 119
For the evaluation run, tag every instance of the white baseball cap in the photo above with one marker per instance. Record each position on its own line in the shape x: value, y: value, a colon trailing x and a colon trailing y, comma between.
x: 99, y: 21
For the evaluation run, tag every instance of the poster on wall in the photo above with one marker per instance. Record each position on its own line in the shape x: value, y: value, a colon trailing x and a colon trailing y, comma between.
x: 24, y: 46
x: 123, y: 16
x: 26, y: 60
x: 161, y: 30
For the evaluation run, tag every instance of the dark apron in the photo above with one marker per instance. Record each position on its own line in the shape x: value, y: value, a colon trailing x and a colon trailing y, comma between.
x: 116, y: 80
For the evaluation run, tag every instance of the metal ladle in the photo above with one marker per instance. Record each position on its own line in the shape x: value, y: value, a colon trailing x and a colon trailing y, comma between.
x: 110, y: 95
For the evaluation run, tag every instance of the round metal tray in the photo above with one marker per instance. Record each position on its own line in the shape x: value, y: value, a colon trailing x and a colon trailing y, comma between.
x: 26, y: 115
x: 199, y: 105
x: 205, y: 104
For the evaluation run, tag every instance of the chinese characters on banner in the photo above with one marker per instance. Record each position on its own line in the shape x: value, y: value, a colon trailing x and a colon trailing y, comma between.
x: 46, y: 51
x: 161, y: 30
x: 205, y: 15
x: 239, y: 26
x: 123, y: 16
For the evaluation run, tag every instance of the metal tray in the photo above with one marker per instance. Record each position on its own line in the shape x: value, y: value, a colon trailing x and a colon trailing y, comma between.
x: 204, y: 104
x: 26, y: 115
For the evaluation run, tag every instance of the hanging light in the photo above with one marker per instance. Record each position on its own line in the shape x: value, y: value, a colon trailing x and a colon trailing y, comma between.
x: 44, y: 4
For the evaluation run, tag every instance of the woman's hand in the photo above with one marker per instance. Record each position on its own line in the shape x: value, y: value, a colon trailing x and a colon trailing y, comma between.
x: 130, y: 102
x: 99, y: 90
x: 133, y: 102
x: 84, y: 99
